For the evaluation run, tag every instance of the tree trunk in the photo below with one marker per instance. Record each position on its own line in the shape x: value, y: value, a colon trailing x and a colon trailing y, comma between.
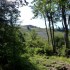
x: 50, y: 31
x: 46, y: 29
x: 54, y: 48
x: 69, y: 21
x: 66, y: 27
x: 63, y: 25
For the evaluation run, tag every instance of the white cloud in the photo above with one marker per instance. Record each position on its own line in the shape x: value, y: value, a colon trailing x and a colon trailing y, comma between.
x: 26, y: 16
x: 26, y: 13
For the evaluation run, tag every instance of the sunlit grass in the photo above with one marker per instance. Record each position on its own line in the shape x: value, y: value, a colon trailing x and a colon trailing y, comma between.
x: 42, y: 61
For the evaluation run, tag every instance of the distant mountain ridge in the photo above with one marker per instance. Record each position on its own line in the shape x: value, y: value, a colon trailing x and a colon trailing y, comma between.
x: 41, y: 31
x: 31, y: 26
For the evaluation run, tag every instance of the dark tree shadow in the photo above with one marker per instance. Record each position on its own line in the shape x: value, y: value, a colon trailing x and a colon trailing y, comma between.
x: 20, y: 64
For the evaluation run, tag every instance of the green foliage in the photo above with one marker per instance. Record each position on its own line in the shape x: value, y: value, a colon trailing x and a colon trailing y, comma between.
x: 19, y: 53
x: 33, y: 35
x: 61, y: 51
x: 11, y: 44
x: 39, y: 61
x: 39, y: 51
x: 51, y: 10
x: 48, y: 62
x: 11, y: 39
x: 37, y: 45
x: 60, y: 45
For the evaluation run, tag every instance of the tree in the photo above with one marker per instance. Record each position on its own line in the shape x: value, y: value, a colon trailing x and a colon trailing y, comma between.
x: 46, y: 9
x: 53, y: 10
x: 39, y: 8
x: 11, y: 40
x: 63, y: 5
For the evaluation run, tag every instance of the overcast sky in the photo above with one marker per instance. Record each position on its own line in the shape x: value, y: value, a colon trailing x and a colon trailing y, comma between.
x: 26, y: 16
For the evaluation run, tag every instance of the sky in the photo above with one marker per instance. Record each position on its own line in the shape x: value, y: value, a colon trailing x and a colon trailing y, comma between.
x: 26, y: 17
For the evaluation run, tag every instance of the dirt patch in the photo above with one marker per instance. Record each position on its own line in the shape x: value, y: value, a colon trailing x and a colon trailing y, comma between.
x: 58, y: 66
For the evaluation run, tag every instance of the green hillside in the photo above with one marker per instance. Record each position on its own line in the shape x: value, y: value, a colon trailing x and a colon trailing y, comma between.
x: 41, y: 31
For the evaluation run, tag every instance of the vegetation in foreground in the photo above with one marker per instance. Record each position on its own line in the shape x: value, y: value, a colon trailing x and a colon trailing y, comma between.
x: 40, y: 54
x: 50, y: 62
x: 28, y: 51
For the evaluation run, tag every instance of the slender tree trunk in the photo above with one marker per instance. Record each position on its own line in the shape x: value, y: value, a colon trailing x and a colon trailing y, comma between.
x: 50, y: 31
x: 46, y: 24
x: 69, y: 21
x: 46, y: 29
x: 53, y: 42
x: 63, y: 25
x: 54, y: 48
x: 66, y: 26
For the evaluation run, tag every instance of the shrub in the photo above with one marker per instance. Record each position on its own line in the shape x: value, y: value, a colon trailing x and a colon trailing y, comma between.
x: 60, y: 45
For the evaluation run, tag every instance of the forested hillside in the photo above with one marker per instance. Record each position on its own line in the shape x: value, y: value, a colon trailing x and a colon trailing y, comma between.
x: 40, y: 31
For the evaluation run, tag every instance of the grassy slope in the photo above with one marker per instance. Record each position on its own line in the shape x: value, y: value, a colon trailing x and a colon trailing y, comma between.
x: 49, y: 62
x: 43, y: 62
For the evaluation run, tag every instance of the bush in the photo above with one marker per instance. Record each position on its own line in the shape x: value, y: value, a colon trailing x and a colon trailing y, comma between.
x: 61, y: 51
x: 60, y: 45
x: 48, y: 50
x: 39, y: 51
